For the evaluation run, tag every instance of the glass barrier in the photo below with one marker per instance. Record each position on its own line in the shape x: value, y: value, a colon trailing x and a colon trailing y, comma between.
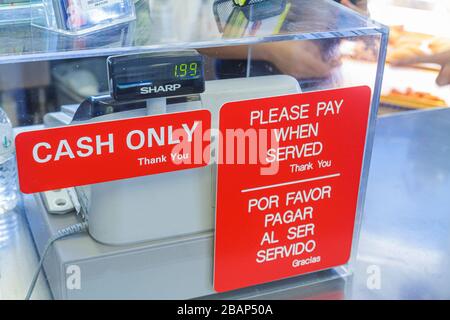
x: 151, y: 234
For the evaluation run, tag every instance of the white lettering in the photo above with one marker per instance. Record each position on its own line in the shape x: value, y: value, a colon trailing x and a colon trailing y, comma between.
x: 36, y: 157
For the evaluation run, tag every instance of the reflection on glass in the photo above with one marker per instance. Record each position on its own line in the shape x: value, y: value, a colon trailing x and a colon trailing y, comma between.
x: 8, y: 224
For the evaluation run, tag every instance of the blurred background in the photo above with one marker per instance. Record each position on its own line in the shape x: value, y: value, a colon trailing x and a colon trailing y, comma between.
x: 418, y: 28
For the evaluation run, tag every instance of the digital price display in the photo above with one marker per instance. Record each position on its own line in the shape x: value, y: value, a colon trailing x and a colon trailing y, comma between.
x: 155, y: 75
x: 186, y: 70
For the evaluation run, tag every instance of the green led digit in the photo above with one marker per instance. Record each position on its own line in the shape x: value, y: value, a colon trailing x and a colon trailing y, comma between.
x: 176, y: 71
x: 193, y: 69
x: 240, y: 3
x: 183, y: 69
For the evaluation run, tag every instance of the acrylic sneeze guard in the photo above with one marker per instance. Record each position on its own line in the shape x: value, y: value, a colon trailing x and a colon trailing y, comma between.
x: 272, y: 48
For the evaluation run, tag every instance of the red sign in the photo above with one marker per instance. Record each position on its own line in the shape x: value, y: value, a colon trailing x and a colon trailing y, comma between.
x: 287, y: 205
x: 77, y: 155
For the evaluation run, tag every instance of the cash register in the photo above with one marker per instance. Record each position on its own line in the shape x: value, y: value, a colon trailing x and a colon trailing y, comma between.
x: 151, y: 236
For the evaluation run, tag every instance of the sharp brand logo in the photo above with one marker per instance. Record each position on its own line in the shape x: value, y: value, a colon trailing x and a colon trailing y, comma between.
x: 156, y: 89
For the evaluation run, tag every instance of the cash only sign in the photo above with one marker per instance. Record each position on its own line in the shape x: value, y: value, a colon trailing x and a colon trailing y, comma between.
x: 287, y: 187
x: 77, y: 155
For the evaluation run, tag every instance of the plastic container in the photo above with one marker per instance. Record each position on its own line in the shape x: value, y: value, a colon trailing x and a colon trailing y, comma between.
x: 76, y: 17
x: 17, y: 11
x: 8, y: 172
